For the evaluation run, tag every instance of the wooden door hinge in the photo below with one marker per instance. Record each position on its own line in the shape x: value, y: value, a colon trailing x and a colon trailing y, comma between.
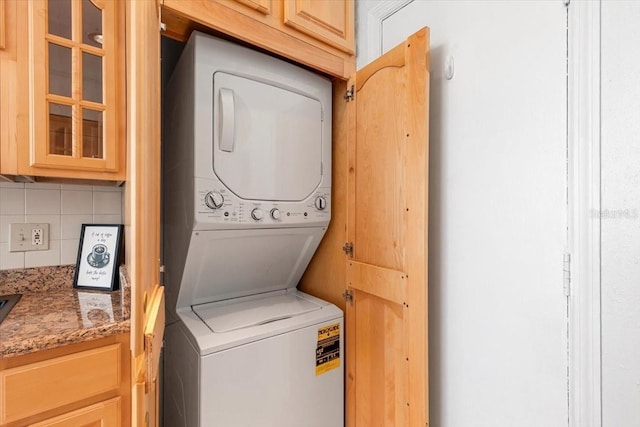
x: 349, y: 95
x: 348, y: 296
x: 348, y: 249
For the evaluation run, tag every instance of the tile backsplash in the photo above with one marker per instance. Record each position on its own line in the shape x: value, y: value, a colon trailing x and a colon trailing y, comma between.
x: 64, y: 207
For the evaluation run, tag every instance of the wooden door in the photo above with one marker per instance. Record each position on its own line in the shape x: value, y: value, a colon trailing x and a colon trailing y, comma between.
x: 142, y: 214
x: 387, y: 206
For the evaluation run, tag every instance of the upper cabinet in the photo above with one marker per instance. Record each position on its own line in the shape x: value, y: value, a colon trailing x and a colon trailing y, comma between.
x: 316, y: 33
x: 70, y: 79
x: 328, y: 21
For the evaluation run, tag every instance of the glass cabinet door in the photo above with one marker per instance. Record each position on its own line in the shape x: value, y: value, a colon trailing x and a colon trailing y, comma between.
x: 73, y: 84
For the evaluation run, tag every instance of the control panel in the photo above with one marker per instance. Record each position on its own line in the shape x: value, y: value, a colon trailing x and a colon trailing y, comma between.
x: 218, y: 208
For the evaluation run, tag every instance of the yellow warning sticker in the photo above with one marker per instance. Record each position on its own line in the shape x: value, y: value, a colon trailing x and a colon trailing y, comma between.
x: 328, y: 348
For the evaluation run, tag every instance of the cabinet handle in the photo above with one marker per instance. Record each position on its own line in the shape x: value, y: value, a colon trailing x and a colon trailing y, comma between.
x: 227, y: 120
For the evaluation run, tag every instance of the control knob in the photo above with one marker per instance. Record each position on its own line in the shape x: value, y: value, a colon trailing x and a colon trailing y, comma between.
x: 320, y: 203
x: 275, y: 213
x: 257, y: 214
x: 214, y: 200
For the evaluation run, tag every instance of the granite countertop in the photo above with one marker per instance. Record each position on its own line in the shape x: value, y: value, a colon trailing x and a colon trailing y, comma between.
x: 51, y: 313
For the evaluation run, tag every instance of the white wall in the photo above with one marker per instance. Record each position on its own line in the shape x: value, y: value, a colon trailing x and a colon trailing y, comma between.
x: 620, y: 216
x: 64, y: 207
x: 497, y: 208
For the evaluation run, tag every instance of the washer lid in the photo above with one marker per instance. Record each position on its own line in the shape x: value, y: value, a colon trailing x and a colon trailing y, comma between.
x: 226, y: 316
x: 267, y: 139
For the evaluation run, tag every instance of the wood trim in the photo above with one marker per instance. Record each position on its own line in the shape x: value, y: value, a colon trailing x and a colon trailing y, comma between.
x: 325, y: 277
x: 39, y: 356
x: 37, y: 64
x: 350, y: 367
x: 3, y: 24
x: 142, y: 195
x: 584, y: 144
x: 386, y: 283
x: 351, y: 162
x: 350, y: 317
x: 142, y: 192
x: 111, y: 143
x: 138, y: 417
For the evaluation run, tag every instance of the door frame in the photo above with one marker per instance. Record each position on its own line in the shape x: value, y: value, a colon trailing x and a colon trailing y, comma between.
x: 584, y: 207
x: 374, y: 22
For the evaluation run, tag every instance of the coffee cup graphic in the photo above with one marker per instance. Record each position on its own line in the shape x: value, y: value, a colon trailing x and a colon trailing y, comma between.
x: 99, y: 256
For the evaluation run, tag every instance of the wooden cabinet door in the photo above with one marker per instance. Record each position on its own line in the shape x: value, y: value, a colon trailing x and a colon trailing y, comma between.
x: 386, y: 318
x: 142, y: 215
x: 43, y: 386
x: 75, y: 82
x: 103, y: 414
x: 328, y: 21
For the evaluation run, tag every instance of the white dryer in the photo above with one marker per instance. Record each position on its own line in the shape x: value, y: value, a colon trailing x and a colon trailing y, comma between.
x: 247, y: 199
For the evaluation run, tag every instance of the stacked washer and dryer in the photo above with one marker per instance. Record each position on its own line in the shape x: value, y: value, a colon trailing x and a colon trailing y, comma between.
x: 247, y: 199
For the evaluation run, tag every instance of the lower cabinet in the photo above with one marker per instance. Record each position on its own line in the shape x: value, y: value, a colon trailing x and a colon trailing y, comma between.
x: 85, y: 384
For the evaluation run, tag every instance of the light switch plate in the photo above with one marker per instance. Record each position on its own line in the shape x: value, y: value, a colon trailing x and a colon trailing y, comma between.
x: 29, y: 237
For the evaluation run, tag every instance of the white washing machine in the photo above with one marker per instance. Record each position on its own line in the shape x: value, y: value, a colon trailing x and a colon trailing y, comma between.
x: 247, y: 199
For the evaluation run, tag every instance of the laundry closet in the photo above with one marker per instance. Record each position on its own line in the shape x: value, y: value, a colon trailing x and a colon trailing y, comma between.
x: 246, y: 201
x: 369, y: 259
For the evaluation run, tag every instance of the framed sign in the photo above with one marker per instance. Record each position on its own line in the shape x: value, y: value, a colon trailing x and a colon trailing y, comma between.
x: 98, y: 257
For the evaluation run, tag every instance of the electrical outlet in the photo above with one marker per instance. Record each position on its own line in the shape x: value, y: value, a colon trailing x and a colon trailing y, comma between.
x: 29, y: 237
x: 37, y: 237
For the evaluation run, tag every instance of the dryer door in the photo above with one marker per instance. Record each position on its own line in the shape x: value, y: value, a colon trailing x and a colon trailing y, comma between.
x: 267, y: 139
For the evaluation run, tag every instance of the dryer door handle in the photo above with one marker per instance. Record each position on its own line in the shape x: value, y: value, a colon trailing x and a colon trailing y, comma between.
x: 227, y: 120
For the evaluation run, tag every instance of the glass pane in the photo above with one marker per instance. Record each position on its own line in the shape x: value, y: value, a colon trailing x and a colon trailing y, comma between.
x: 60, y: 130
x: 91, y: 77
x: 59, y: 70
x: 91, y: 24
x: 60, y: 18
x: 92, y: 131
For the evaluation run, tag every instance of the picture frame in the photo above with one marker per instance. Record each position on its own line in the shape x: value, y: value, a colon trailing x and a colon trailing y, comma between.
x: 99, y: 255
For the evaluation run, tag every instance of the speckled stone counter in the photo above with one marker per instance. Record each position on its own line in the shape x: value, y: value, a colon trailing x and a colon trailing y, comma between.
x: 52, y: 314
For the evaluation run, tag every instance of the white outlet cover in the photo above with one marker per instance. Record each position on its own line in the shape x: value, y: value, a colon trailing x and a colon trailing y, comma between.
x: 21, y: 237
